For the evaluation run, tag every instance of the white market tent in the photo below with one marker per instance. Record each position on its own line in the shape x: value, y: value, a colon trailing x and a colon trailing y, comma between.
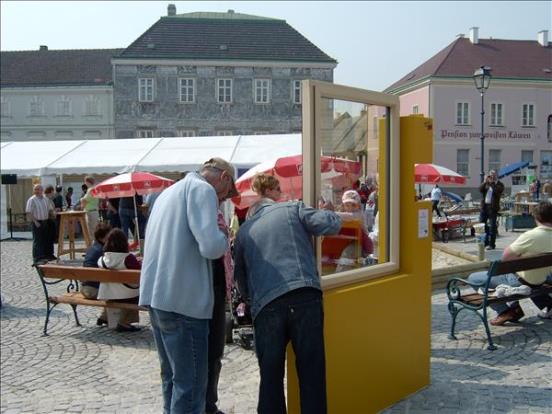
x: 47, y: 159
x: 43, y: 158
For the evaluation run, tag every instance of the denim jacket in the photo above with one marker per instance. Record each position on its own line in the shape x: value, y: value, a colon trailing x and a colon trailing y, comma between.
x: 274, y: 250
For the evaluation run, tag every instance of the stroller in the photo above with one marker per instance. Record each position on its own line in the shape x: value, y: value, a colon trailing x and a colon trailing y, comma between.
x: 239, y: 325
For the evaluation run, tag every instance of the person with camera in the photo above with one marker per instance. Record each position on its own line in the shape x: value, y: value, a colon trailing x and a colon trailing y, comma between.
x: 491, y: 190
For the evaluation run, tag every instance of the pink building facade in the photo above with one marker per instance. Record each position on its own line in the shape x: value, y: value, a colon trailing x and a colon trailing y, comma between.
x: 518, y: 109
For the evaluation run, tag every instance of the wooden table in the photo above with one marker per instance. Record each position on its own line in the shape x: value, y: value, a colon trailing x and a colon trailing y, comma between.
x: 67, y: 222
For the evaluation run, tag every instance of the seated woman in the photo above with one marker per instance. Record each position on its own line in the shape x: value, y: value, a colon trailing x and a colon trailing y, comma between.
x: 89, y: 289
x: 117, y: 256
x: 352, y: 211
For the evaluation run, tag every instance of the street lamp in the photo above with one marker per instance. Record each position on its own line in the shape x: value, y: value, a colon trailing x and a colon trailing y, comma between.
x: 482, y: 79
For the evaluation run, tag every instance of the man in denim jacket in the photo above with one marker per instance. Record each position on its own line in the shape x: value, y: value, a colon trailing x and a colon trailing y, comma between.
x: 276, y: 273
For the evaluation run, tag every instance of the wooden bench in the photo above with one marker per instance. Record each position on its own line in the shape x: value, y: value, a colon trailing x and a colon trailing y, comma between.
x: 477, y: 302
x: 52, y: 274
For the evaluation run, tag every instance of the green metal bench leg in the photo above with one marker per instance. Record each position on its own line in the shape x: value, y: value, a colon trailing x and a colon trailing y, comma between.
x: 453, y: 312
x: 75, y: 313
x: 491, y: 346
x: 48, y: 311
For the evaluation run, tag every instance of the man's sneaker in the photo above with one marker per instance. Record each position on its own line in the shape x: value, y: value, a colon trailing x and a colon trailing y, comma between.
x: 545, y: 314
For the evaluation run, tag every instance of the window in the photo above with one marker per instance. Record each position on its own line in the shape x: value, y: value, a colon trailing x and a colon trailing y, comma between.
x: 494, y: 159
x: 260, y: 132
x: 186, y: 133
x: 415, y: 109
x: 187, y: 90
x: 549, y: 128
x: 36, y: 107
x: 463, y: 162
x: 145, y: 133
x: 145, y: 89
x: 5, y: 107
x: 224, y: 133
x: 297, y: 92
x: 527, y: 156
x: 463, y: 113
x: 496, y: 114
x: 91, y: 106
x: 224, y: 90
x: 262, y: 91
x: 546, y: 164
x: 528, y: 115
x: 63, y: 107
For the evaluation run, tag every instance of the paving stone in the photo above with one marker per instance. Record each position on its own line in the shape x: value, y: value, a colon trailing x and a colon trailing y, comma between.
x: 89, y: 369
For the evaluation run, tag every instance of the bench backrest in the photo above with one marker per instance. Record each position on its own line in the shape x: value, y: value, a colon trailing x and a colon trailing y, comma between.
x: 526, y: 263
x: 89, y: 274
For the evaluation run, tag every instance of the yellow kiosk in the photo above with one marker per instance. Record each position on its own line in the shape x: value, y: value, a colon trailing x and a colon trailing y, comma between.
x: 378, y: 311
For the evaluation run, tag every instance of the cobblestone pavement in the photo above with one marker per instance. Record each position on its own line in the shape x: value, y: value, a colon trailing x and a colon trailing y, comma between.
x: 94, y: 370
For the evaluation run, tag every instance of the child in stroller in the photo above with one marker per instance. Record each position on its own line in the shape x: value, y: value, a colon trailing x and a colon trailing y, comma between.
x: 240, y: 329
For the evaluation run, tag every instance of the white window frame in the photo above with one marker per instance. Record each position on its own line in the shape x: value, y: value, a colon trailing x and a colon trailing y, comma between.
x: 261, y: 91
x: 186, y: 132
x: 529, y: 120
x: 63, y: 106
x: 224, y: 86
x: 5, y: 108
x: 36, y: 106
x: 91, y: 106
x: 493, y: 164
x: 465, y: 116
x: 146, y: 89
x: 224, y: 133
x: 415, y: 109
x: 184, y: 86
x: 527, y: 152
x: 494, y: 119
x: 460, y: 163
x: 145, y: 133
x: 296, y: 93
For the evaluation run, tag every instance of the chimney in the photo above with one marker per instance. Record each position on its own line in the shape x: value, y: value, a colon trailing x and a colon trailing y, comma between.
x: 543, y: 38
x: 171, y: 10
x: 43, y: 47
x: 474, y: 35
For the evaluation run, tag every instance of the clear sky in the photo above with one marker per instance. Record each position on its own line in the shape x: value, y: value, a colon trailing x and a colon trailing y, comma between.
x: 375, y: 43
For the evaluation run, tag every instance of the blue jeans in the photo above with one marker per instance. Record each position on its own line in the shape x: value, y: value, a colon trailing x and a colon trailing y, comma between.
x: 298, y: 317
x: 488, y: 216
x: 182, y: 347
x: 127, y: 222
x: 510, y: 279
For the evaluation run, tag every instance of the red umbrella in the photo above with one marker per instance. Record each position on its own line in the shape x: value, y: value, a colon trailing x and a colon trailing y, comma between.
x: 289, y: 171
x: 435, y: 174
x: 130, y: 184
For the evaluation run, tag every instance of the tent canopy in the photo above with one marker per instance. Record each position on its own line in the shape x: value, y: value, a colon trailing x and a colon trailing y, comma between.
x: 38, y: 158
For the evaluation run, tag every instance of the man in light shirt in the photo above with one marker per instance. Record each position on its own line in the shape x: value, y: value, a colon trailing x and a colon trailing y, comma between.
x: 436, y: 194
x: 39, y: 209
x: 535, y: 241
x: 176, y: 281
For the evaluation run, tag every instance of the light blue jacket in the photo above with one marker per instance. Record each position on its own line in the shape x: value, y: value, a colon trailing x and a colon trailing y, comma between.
x: 274, y: 252
x: 182, y: 236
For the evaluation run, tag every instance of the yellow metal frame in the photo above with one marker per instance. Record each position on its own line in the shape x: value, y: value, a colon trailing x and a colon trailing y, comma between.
x: 377, y: 320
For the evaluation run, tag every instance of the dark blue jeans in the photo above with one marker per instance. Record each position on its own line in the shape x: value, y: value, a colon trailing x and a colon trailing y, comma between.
x: 181, y: 343
x: 488, y: 216
x: 217, y: 336
x: 298, y: 317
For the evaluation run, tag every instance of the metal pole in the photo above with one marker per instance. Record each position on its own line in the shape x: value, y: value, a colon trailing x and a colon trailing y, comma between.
x: 482, y: 173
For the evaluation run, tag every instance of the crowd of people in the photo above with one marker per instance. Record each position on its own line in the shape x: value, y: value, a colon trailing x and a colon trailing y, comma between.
x: 192, y: 259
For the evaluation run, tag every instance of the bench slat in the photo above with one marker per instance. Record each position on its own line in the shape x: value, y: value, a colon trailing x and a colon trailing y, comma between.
x: 90, y: 274
x: 525, y: 263
x: 475, y: 299
x: 76, y: 298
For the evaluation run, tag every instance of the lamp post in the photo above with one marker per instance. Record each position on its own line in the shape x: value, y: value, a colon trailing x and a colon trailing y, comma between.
x: 482, y: 79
